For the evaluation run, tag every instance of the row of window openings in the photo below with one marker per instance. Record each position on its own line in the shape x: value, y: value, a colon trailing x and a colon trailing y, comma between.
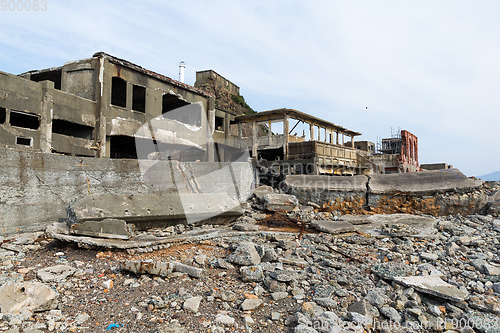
x: 30, y: 121
x: 119, y: 97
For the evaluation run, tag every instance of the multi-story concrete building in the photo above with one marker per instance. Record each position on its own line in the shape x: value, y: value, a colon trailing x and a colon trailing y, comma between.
x: 95, y: 107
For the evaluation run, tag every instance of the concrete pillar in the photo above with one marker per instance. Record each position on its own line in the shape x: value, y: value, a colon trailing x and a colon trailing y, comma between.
x: 46, y: 117
x: 210, y: 135
x: 352, y: 141
x: 285, y: 133
x: 104, y: 151
x: 254, y: 140
x: 129, y: 96
x: 311, y: 129
x: 337, y: 141
x: 269, y: 133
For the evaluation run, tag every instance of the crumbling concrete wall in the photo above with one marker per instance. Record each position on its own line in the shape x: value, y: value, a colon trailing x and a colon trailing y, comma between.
x: 35, y: 188
x: 432, y: 192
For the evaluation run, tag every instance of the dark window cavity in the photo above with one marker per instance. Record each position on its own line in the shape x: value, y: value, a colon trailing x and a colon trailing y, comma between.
x: 24, y: 141
x: 219, y: 123
x: 171, y: 102
x: 3, y: 115
x: 119, y: 92
x: 25, y: 120
x: 123, y: 147
x: 139, y: 99
x: 71, y: 129
x: 54, y: 76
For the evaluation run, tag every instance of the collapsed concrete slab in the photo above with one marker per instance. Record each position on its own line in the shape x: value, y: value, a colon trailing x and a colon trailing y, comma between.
x: 55, y: 273
x: 107, y: 228
x: 160, y: 268
x: 156, y: 210
x: 333, y: 227
x: 433, y: 285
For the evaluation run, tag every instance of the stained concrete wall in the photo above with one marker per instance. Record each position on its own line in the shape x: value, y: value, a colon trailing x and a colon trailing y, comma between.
x: 428, y: 192
x: 36, y: 187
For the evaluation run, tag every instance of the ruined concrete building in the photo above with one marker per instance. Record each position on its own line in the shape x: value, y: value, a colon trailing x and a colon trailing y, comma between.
x: 95, y: 107
x: 319, y: 149
x: 398, y: 154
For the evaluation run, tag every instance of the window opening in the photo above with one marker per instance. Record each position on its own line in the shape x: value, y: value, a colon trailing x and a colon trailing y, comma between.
x: 139, y: 99
x: 119, y: 92
x: 24, y: 141
x: 71, y: 129
x: 24, y: 120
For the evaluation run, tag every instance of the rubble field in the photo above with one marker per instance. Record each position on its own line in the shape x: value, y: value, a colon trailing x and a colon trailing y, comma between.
x: 295, y: 268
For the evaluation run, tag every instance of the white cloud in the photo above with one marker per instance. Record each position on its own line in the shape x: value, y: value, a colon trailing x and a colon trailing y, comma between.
x: 430, y: 67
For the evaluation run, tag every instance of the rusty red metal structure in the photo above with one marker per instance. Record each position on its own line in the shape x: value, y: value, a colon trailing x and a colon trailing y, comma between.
x: 408, y: 158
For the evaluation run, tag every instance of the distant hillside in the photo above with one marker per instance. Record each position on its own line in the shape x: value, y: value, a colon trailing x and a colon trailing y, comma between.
x: 494, y: 176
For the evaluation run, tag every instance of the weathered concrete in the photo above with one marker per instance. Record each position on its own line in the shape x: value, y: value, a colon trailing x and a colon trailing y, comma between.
x: 55, y: 273
x: 433, y: 285
x: 28, y: 296
x: 36, y: 187
x: 423, y: 183
x: 107, y: 228
x: 430, y: 192
x: 423, y: 226
x: 333, y: 227
x: 280, y: 202
x: 153, y: 210
x: 160, y: 268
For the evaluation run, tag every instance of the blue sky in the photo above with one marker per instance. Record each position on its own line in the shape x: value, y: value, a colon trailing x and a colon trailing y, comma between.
x: 430, y: 67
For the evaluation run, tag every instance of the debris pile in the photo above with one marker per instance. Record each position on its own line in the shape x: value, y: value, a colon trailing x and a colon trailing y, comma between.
x: 286, y: 267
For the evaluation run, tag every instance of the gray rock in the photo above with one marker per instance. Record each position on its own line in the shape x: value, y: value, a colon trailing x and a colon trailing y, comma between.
x: 269, y: 255
x: 359, y: 318
x: 280, y: 202
x: 251, y: 273
x: 224, y: 320
x: 285, y: 276
x: 391, y: 269
x: 429, y: 256
x: 251, y: 304
x: 327, y: 322
x: 245, y: 255
x: 333, y: 227
x: 172, y: 327
x: 192, y: 304
x: 390, y: 313
x: 29, y: 296
x: 279, y: 295
x: 376, y: 298
x: 326, y: 302
x: 433, y: 285
x: 55, y: 273
x: 304, y: 329
x: 434, y: 310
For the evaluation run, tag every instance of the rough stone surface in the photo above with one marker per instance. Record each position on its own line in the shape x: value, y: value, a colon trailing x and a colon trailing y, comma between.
x: 29, y: 296
x: 55, y: 273
x: 433, y: 285
x: 280, y: 202
x: 192, y: 304
x: 107, y: 228
x: 245, y: 255
x: 333, y: 227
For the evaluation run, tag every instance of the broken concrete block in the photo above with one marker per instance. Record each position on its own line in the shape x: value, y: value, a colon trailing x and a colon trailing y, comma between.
x: 55, y: 273
x: 280, y: 202
x: 159, y: 268
x: 263, y: 190
x: 433, y: 285
x: 333, y: 227
x: 29, y: 296
x: 153, y: 210
x: 189, y: 270
x: 245, y: 255
x: 152, y: 267
x: 107, y: 228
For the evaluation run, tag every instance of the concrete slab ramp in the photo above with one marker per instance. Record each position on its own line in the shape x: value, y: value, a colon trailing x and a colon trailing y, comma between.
x: 423, y: 183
